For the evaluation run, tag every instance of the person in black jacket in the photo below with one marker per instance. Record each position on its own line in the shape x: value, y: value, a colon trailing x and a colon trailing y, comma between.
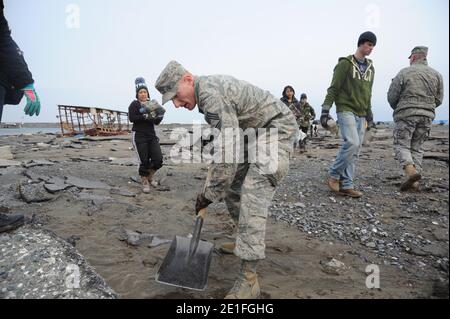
x: 15, y: 78
x: 15, y: 81
x: 145, y: 141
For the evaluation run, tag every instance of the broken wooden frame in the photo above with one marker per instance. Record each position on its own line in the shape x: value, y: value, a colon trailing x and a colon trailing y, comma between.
x: 92, y: 121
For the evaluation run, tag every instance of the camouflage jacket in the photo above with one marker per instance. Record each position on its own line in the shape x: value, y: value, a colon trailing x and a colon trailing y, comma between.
x: 416, y: 91
x: 307, y: 114
x: 227, y: 102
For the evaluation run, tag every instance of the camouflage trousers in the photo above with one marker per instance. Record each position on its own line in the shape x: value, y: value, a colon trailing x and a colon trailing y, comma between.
x: 248, y: 200
x: 409, y: 136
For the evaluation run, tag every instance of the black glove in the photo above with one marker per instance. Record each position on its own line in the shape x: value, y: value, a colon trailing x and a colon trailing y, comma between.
x: 202, y: 202
x: 324, y: 118
x: 369, y: 118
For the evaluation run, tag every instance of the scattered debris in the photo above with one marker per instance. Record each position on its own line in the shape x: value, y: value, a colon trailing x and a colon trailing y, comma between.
x: 8, y: 163
x: 86, y: 184
x: 73, y: 240
x: 156, y: 241
x: 93, y: 121
x: 125, y: 161
x: 34, y: 163
x: 122, y: 192
x: 333, y: 267
x: 34, y: 193
x: 135, y: 238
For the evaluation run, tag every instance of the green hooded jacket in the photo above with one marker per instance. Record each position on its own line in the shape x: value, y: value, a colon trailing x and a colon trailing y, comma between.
x: 350, y: 90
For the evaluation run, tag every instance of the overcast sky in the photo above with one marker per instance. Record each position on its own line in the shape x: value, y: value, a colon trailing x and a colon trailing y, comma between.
x: 89, y: 52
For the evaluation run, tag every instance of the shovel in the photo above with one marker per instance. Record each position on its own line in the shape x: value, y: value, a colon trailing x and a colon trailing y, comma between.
x: 187, y: 262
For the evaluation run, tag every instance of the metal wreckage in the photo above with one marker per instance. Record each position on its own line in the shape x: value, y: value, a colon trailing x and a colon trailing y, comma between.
x: 92, y: 121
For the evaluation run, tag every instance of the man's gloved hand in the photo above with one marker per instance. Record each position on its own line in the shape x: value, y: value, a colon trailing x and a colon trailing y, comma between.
x: 202, y: 202
x: 325, y: 117
x: 369, y: 119
x: 33, y: 103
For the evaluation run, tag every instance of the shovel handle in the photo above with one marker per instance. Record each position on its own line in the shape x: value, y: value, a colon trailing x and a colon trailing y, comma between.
x: 202, y: 213
x: 197, y: 230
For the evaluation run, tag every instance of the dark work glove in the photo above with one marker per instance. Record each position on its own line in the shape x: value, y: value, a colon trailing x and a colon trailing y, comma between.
x: 202, y: 202
x: 325, y: 117
x: 369, y: 119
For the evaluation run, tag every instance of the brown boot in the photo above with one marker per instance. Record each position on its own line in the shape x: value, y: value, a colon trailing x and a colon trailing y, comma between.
x: 247, y: 286
x: 412, y: 176
x: 150, y: 178
x: 145, y: 184
x: 351, y: 193
x: 227, y: 248
x: 333, y: 184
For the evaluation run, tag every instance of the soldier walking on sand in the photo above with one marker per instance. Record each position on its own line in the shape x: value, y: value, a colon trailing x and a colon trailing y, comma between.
x: 414, y: 95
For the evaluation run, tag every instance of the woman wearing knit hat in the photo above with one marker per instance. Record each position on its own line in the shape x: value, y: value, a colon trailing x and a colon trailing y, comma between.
x: 144, y: 139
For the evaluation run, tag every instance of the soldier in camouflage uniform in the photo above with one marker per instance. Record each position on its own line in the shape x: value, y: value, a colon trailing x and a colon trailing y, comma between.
x: 414, y: 95
x: 307, y: 115
x: 246, y: 188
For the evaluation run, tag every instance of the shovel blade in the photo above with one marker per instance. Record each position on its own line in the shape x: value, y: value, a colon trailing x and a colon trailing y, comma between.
x: 182, y: 269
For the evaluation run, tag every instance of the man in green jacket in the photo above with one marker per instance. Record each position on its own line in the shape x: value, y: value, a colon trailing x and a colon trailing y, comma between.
x: 351, y: 91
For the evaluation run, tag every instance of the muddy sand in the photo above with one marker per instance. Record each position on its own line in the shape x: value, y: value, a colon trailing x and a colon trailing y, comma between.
x: 319, y: 245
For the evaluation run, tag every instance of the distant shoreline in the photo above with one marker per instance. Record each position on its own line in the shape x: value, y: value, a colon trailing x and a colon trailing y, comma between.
x: 28, y: 125
x: 57, y: 125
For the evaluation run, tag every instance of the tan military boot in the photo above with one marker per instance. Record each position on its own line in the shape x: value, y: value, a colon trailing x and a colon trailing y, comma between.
x: 333, y: 184
x: 227, y: 248
x: 145, y: 184
x: 351, y: 193
x: 150, y: 178
x: 412, y: 176
x: 247, y: 286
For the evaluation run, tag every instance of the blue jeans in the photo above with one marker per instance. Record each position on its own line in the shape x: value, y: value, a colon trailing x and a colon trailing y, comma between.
x: 352, y: 128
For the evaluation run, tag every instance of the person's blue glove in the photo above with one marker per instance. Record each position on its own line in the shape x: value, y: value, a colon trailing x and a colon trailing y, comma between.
x: 33, y: 103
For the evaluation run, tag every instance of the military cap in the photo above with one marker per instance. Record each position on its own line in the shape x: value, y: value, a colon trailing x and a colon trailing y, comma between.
x: 419, y: 50
x: 167, y: 82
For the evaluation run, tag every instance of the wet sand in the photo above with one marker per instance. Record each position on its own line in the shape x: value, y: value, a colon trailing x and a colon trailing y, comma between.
x: 308, y: 225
